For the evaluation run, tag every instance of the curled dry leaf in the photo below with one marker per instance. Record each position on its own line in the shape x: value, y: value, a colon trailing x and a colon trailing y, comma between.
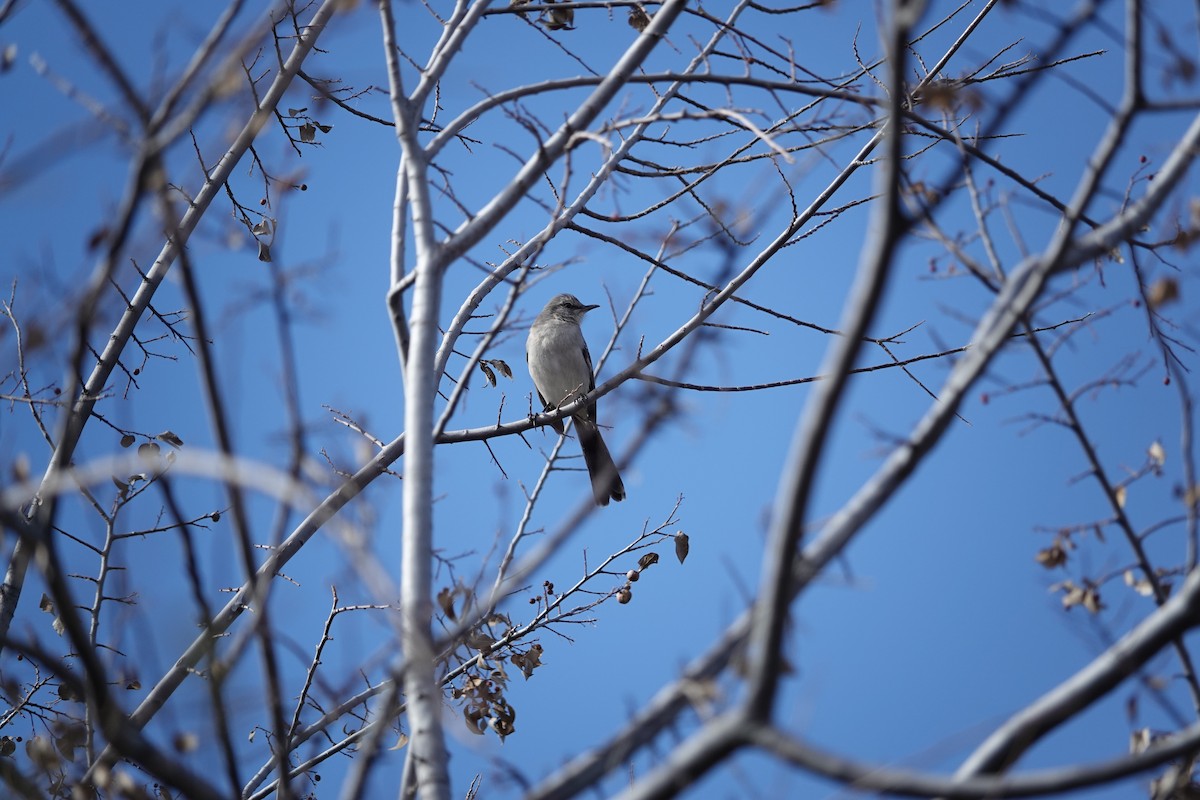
x: 170, y: 438
x: 560, y: 19
x: 185, y: 742
x: 127, y: 440
x: 647, y: 560
x: 1074, y: 595
x: 1158, y: 456
x: 1163, y: 292
x: 638, y: 18
x: 528, y: 661
x: 47, y: 605
x: 1053, y: 556
x: 473, y: 716
x: 445, y: 600
x: 681, y: 546
x: 1142, y: 585
x: 503, y: 717
x: 1120, y: 493
x: 401, y: 740
x: 479, y: 640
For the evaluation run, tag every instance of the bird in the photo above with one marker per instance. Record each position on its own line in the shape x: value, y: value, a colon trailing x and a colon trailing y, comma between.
x: 561, y: 367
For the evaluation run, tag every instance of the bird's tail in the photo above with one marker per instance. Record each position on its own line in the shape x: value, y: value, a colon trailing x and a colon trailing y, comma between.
x: 606, y: 481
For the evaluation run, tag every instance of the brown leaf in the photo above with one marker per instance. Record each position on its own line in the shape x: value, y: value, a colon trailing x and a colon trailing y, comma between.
x: 478, y: 640
x: 47, y: 605
x: 503, y: 718
x: 681, y: 546
x: 638, y: 18
x: 560, y: 19
x: 1052, y: 556
x: 487, y: 373
x: 445, y: 600
x: 170, y: 438
x: 648, y: 560
x: 127, y: 440
x: 1164, y: 292
x: 473, y: 716
x: 185, y: 742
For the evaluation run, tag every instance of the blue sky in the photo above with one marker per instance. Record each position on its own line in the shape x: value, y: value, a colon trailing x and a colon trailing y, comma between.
x: 937, y: 623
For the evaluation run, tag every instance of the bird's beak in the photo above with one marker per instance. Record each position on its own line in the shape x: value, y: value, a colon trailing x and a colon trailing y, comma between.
x: 589, y: 308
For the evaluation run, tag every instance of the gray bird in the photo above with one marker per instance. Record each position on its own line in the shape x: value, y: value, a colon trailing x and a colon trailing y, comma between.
x: 561, y: 368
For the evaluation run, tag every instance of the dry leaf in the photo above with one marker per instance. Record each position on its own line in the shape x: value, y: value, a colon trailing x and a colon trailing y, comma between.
x: 681, y: 546
x: 647, y: 560
x: 638, y: 18
x: 185, y: 742
x: 1164, y: 292
x: 560, y: 19
x: 1053, y: 556
x: 47, y: 605
x: 445, y: 599
x: 1119, y: 493
x: 473, y: 716
x: 1158, y: 456
x: 1140, y: 585
x: 170, y: 438
x: 478, y: 640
